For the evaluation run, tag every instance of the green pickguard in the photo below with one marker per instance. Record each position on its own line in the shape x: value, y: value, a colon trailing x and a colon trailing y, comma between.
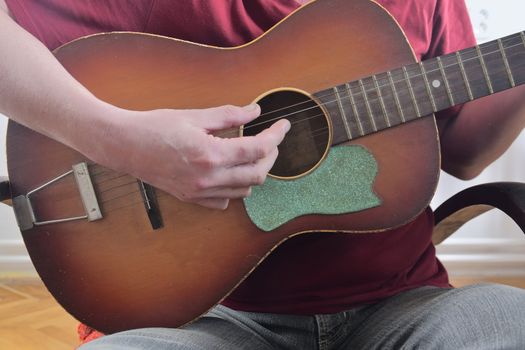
x: 341, y: 184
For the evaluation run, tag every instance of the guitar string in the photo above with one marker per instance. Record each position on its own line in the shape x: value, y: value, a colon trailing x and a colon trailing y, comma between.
x: 300, y: 120
x: 134, y: 182
x: 440, y: 94
x: 374, y: 89
x: 140, y: 201
x: 356, y: 104
x: 310, y: 117
x: 162, y: 194
x: 506, y: 40
x: 333, y: 94
x: 371, y: 100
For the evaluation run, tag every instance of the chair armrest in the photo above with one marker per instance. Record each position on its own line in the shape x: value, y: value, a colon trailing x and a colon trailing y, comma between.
x: 508, y: 197
x: 5, y: 192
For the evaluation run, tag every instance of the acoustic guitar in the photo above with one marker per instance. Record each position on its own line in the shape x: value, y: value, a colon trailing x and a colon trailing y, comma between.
x: 362, y: 156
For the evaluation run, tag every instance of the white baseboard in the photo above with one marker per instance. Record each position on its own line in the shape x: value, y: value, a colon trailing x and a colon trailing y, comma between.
x: 14, y: 260
x: 484, y: 257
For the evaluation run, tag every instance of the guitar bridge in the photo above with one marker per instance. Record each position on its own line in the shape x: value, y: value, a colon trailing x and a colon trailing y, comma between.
x: 25, y: 214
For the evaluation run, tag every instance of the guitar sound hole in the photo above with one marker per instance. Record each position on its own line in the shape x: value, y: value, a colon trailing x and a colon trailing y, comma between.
x: 308, y: 139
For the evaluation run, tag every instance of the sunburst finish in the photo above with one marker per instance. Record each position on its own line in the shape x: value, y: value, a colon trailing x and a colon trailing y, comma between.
x: 118, y: 273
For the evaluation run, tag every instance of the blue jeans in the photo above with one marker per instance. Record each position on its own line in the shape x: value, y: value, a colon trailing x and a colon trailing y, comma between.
x: 473, y: 317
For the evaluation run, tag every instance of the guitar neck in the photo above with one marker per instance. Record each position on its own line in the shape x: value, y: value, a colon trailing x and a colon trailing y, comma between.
x: 384, y: 100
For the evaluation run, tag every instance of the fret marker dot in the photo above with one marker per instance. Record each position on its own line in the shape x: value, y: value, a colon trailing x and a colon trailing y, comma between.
x: 436, y: 83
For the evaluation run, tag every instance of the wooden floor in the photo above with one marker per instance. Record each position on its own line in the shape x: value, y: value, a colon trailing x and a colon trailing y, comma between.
x: 30, y: 318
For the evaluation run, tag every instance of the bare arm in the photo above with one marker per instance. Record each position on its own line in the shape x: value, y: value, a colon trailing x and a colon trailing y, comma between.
x: 482, y: 132
x: 36, y: 91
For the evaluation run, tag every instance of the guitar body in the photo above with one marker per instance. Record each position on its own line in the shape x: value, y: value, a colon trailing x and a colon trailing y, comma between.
x: 119, y: 273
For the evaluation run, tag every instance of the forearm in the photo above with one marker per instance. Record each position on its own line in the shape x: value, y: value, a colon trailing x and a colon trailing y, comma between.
x: 482, y: 132
x: 36, y: 91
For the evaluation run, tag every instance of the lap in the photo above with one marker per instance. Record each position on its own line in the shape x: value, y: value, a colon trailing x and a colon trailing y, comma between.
x: 221, y: 329
x: 483, y: 316
x: 472, y: 317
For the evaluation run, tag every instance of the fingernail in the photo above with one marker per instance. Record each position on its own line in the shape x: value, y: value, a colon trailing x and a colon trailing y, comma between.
x: 251, y: 107
x: 288, y: 126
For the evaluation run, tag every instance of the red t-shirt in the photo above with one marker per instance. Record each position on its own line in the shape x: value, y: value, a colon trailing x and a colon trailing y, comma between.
x: 311, y: 273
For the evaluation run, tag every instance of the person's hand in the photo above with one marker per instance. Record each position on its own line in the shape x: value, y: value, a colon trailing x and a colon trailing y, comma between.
x: 176, y: 151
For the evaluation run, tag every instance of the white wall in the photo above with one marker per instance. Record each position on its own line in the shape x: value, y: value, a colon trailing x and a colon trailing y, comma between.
x: 490, y: 244
x: 13, y: 257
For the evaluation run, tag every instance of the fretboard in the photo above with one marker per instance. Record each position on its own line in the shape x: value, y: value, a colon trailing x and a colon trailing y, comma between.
x: 384, y: 100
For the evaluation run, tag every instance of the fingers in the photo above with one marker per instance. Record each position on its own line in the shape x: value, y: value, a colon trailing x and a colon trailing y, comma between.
x: 228, y: 192
x: 247, y: 149
x: 242, y: 176
x: 224, y: 117
x: 235, y: 182
x: 225, y: 168
x: 239, y: 150
x: 214, y: 203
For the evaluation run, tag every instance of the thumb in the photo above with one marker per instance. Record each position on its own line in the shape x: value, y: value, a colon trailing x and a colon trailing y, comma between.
x: 225, y: 117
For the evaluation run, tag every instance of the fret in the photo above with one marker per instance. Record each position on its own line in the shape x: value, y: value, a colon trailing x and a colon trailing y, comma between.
x: 354, y: 109
x: 363, y: 114
x: 396, y: 97
x: 514, y: 47
x: 367, y: 104
x: 391, y: 115
x: 445, y: 80
x: 343, y: 114
x: 420, y: 88
x: 495, y: 66
x: 411, y: 90
x: 384, y: 100
x: 325, y: 97
x: 484, y: 68
x: 427, y: 85
x: 440, y: 98
x: 475, y: 72
x: 455, y: 78
x: 464, y: 73
x: 381, y: 101
x: 375, y: 102
x: 406, y: 98
x: 348, y: 107
x: 506, y: 62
